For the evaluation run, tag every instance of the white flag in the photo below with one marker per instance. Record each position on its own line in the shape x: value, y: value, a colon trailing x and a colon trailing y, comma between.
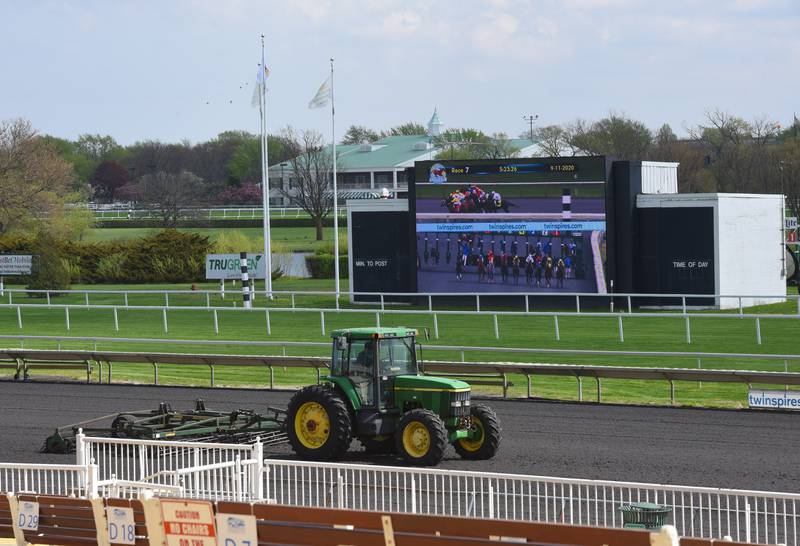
x: 261, y: 81
x: 323, y: 96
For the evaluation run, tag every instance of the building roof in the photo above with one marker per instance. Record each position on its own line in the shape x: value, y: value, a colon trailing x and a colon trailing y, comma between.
x: 397, y: 152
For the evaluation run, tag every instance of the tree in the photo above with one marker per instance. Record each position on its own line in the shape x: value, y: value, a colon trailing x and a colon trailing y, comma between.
x: 168, y: 193
x: 473, y: 144
x: 409, y: 129
x: 356, y: 134
x: 107, y: 178
x: 312, y: 166
x: 741, y: 155
x: 551, y: 140
x: 33, y: 178
x: 615, y: 136
x: 245, y: 163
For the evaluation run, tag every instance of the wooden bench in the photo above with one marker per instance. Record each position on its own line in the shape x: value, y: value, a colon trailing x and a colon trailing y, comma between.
x: 64, y: 520
x: 6, y: 521
x: 323, y: 526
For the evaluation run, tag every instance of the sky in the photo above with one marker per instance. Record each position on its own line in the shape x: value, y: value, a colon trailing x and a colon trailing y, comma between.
x: 184, y: 70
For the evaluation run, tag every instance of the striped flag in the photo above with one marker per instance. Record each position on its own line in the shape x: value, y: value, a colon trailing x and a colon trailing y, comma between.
x: 261, y: 82
x: 323, y: 96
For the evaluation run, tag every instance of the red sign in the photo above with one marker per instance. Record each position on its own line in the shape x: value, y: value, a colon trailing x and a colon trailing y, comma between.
x: 188, y: 523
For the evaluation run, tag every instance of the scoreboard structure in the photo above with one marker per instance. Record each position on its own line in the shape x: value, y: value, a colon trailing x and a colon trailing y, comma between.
x: 511, y: 225
x: 565, y: 225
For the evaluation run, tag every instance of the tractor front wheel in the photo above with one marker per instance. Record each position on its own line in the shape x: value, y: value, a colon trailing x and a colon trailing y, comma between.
x: 319, y: 425
x: 485, y: 435
x: 421, y: 438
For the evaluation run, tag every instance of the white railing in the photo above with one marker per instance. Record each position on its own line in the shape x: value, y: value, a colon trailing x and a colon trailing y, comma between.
x: 213, y: 314
x: 748, y: 516
x: 584, y: 303
x: 49, y: 479
x: 193, y: 469
x: 228, y: 472
x: 218, y: 213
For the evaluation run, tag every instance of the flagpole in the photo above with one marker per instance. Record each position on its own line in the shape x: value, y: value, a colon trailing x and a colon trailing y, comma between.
x: 335, y: 193
x: 265, y: 176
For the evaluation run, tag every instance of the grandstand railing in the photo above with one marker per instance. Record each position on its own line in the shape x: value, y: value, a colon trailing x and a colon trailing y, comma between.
x: 78, y: 480
x: 187, y: 469
x: 703, y: 512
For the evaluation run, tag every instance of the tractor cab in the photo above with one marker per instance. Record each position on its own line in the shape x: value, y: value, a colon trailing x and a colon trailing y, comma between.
x: 367, y: 361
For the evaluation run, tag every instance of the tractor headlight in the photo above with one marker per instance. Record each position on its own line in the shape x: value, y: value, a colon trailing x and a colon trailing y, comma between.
x: 456, y: 404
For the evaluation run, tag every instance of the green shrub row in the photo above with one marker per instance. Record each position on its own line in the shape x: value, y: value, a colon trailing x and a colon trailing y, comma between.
x: 165, y: 257
x: 320, y: 266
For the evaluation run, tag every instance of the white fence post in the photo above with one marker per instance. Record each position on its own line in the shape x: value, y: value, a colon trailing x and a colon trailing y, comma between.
x: 621, y: 332
x: 555, y: 322
x: 322, y: 322
x: 758, y: 331
x: 435, y: 326
x: 116, y: 320
x: 91, y: 481
x: 257, y: 469
x: 269, y: 327
x: 164, y: 314
x: 216, y: 322
x: 19, y: 317
x: 377, y: 320
x: 66, y: 317
x: 688, y: 330
x: 340, y: 490
x: 496, y: 327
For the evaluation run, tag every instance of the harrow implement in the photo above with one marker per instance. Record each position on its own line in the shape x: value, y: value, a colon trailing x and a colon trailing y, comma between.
x: 164, y: 423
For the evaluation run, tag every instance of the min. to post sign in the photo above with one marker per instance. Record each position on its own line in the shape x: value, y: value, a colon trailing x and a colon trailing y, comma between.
x: 229, y: 266
x: 188, y: 523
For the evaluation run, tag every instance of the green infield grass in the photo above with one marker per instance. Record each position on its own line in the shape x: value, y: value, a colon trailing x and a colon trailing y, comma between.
x: 710, y: 333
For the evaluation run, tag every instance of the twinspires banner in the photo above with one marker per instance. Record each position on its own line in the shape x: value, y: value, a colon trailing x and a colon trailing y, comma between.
x: 758, y: 398
x: 229, y: 266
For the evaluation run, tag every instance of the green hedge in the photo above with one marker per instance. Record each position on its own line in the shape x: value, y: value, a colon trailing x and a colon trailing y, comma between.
x: 228, y: 223
x: 320, y: 266
x: 166, y: 257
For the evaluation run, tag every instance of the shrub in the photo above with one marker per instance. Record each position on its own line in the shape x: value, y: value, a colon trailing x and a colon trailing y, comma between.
x: 320, y: 266
x: 52, y: 270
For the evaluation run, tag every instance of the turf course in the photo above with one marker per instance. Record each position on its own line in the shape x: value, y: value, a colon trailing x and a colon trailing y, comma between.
x: 712, y: 334
x: 293, y: 239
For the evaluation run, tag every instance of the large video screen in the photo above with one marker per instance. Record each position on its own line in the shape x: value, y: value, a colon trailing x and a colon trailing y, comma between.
x: 511, y: 225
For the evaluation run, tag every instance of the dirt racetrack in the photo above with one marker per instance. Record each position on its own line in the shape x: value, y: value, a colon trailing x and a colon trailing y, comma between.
x: 719, y: 448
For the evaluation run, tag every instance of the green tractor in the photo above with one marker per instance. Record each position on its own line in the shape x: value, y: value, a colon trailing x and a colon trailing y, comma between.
x: 376, y: 393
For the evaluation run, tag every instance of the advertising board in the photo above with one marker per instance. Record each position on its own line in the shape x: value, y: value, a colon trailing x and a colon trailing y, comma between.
x: 229, y: 266
x: 766, y: 399
x: 510, y: 225
x: 15, y: 264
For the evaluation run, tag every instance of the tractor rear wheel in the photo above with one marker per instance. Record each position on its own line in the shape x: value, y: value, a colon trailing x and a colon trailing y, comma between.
x: 319, y: 425
x: 421, y: 437
x: 486, y: 435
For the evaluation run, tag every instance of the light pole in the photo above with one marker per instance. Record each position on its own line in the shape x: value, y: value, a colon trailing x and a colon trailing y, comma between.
x: 529, y: 119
